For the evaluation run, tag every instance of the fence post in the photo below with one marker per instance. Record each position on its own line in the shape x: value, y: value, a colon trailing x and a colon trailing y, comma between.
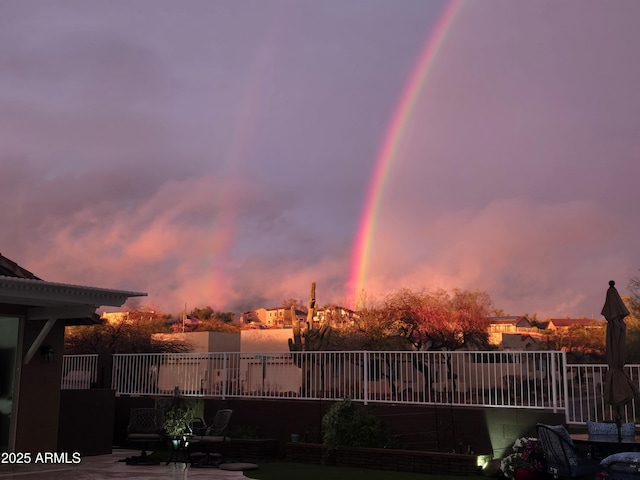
x: 225, y: 360
x: 365, y: 380
x: 115, y: 378
x: 554, y: 382
x: 565, y: 385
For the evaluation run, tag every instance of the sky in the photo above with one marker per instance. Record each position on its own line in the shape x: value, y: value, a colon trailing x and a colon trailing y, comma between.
x: 228, y: 154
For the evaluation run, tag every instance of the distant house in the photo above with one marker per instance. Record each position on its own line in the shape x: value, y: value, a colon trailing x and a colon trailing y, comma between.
x: 510, y: 324
x: 278, y: 317
x: 564, y: 324
x: 521, y: 342
x: 335, y: 316
x: 113, y: 318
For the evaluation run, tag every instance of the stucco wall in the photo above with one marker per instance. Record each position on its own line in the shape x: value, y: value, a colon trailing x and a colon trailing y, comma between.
x: 268, y: 340
x: 206, y: 341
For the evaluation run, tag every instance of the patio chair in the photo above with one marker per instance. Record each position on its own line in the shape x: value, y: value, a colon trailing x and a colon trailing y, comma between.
x: 146, y: 427
x: 562, y: 459
x: 206, y: 438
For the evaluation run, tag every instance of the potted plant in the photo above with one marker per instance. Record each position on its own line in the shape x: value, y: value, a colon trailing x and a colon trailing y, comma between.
x: 178, y: 418
x: 525, y: 461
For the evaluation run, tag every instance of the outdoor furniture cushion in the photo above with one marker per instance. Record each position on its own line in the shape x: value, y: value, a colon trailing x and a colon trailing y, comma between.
x: 562, y: 431
x: 622, y: 466
x: 610, y: 428
x: 622, y: 457
x: 571, y: 454
x: 237, y: 466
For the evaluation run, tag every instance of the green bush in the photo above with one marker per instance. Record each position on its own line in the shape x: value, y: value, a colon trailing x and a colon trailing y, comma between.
x: 178, y: 415
x: 347, y: 424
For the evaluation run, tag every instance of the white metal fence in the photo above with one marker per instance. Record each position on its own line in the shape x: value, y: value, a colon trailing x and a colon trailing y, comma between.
x: 488, y: 379
x: 518, y: 379
x: 585, y: 393
x: 79, y: 371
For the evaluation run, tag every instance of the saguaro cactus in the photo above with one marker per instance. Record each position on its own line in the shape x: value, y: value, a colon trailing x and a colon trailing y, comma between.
x: 312, y: 305
x: 306, y: 339
x: 295, y: 344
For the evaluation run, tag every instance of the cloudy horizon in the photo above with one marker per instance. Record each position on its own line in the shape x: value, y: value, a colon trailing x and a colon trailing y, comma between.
x: 220, y: 153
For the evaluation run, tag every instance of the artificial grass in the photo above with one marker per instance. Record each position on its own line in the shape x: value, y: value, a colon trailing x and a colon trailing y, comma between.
x: 296, y: 471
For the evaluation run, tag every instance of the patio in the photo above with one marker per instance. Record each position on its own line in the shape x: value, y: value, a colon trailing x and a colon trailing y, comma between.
x: 103, y: 467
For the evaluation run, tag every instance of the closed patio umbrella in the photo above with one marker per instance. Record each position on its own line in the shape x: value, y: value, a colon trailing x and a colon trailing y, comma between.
x: 619, y: 389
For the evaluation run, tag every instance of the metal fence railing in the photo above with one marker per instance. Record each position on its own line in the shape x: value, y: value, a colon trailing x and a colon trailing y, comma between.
x: 515, y: 379
x: 539, y: 380
x: 79, y: 371
x: 586, y: 394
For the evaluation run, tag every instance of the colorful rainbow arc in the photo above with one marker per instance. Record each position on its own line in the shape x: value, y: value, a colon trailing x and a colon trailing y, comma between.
x: 392, y: 140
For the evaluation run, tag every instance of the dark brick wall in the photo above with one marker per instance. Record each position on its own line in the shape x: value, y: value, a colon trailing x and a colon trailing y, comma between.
x: 489, y: 431
x: 385, y: 459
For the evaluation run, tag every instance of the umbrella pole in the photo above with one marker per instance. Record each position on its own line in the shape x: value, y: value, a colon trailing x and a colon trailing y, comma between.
x: 619, y: 423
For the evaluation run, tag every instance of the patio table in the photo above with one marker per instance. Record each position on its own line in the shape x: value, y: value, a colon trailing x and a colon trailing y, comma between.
x: 601, y: 446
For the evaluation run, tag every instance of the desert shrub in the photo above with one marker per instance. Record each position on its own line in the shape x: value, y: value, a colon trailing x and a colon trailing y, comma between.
x: 347, y: 424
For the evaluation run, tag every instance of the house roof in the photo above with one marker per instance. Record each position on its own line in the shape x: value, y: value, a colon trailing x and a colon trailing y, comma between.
x: 505, y: 319
x: 26, y: 291
x: 76, y: 304
x: 53, y: 302
x: 288, y: 309
x: 568, y: 322
x: 519, y: 341
x: 517, y: 320
x: 9, y: 268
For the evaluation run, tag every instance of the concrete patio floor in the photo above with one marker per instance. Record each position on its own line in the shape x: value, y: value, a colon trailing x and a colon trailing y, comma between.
x: 104, y: 467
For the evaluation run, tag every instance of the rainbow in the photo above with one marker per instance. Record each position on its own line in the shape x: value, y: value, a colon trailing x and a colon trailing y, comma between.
x: 388, y: 152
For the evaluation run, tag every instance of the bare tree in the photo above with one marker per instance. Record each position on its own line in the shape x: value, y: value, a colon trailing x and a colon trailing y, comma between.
x: 130, y: 334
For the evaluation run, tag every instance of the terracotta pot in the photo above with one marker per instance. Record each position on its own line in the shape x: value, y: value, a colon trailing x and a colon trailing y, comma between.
x: 522, y: 474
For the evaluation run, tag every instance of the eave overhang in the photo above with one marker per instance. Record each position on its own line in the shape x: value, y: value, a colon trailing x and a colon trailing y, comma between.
x: 38, y: 293
x: 53, y: 302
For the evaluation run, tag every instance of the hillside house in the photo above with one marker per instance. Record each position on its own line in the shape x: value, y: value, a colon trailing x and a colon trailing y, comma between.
x: 511, y: 324
x: 561, y: 325
x: 279, y: 317
x: 521, y: 342
x: 335, y: 316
